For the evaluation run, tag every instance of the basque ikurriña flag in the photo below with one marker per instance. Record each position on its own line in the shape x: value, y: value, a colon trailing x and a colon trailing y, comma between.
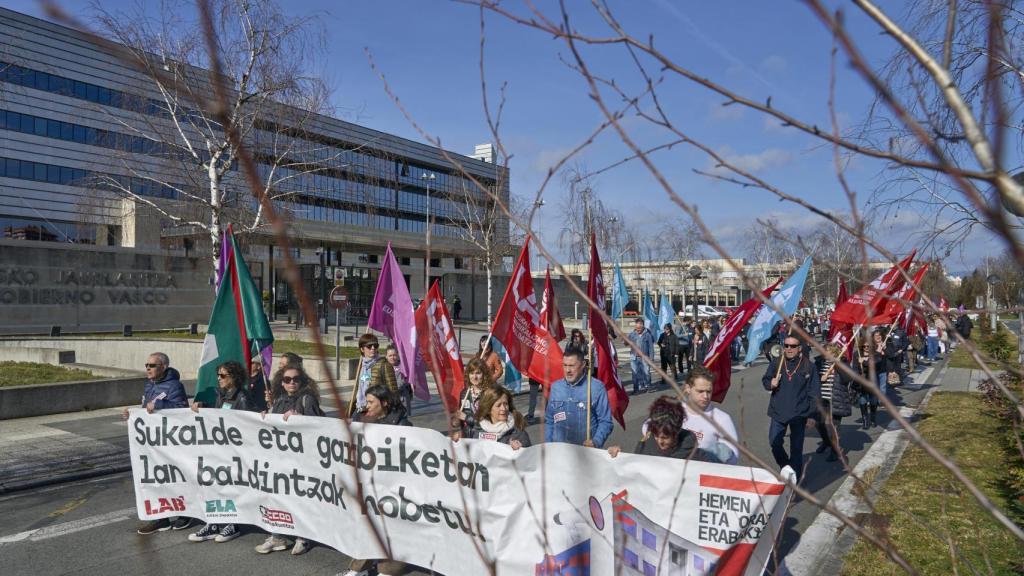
x: 238, y: 327
x: 392, y: 313
x: 440, y: 347
x: 607, y: 361
x: 518, y: 326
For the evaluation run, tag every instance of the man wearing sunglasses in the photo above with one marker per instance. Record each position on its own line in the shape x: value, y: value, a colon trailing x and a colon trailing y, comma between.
x: 794, y: 387
x: 163, y: 391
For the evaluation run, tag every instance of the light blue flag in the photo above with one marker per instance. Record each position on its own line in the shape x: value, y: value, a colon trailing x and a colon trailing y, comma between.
x: 650, y: 316
x: 620, y: 294
x: 665, y: 312
x: 787, y: 298
x: 513, y: 378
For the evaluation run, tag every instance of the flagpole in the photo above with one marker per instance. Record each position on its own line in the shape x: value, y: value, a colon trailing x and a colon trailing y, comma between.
x: 355, y: 389
x: 590, y: 374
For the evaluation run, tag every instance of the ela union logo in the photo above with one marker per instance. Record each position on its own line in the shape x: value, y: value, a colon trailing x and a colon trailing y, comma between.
x: 221, y: 508
x: 162, y: 505
x: 278, y: 518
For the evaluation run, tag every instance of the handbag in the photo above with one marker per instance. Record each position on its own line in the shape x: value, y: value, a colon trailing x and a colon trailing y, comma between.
x: 893, y: 379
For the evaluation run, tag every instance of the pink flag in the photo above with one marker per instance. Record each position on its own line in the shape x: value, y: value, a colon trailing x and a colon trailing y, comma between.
x: 392, y: 313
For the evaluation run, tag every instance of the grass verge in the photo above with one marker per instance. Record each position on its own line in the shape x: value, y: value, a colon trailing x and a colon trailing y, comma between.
x: 928, y: 511
x: 26, y: 373
x: 300, y: 347
x: 1002, y: 344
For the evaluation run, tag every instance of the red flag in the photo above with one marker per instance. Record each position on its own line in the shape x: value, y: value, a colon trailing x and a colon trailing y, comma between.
x: 870, y: 301
x: 607, y: 361
x: 895, y: 307
x: 943, y: 305
x: 837, y: 326
x: 550, y: 319
x: 439, y: 346
x: 518, y: 327
x: 718, y: 358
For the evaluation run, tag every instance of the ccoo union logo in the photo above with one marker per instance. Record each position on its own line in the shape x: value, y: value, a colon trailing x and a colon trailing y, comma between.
x: 278, y: 518
x: 161, y: 505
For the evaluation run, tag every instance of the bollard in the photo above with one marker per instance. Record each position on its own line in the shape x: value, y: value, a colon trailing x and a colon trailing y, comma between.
x: 126, y: 330
x: 193, y: 328
x: 54, y: 331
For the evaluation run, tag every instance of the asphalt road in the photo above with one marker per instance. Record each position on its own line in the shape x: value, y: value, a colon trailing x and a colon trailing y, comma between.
x: 89, y: 527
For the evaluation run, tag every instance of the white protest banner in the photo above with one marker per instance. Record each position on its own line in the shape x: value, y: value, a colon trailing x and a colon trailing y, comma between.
x: 455, y: 508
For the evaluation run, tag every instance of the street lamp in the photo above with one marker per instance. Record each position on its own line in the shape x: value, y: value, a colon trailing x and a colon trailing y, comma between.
x: 695, y: 272
x: 427, y: 177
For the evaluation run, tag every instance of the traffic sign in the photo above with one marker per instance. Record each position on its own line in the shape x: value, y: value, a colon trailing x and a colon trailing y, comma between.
x: 338, y: 298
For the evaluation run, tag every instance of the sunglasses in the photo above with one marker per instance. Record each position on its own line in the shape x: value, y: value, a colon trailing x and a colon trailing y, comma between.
x: 374, y: 346
x: 289, y: 379
x: 790, y: 345
x: 153, y: 365
x: 222, y: 375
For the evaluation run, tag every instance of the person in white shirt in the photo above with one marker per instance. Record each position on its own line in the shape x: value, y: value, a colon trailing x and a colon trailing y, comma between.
x: 699, y: 386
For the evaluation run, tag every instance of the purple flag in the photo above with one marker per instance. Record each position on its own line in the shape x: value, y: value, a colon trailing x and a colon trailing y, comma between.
x: 393, y: 314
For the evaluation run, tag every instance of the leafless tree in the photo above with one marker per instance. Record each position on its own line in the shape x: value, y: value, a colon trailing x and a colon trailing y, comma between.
x: 188, y: 155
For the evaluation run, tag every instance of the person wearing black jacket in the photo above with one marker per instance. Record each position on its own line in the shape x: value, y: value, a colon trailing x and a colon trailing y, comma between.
x: 233, y: 393
x: 795, y: 388
x: 834, y: 402
x: 665, y: 435
x: 964, y: 326
x: 668, y: 347
x: 382, y: 407
x: 900, y: 342
x: 866, y: 399
x: 884, y: 348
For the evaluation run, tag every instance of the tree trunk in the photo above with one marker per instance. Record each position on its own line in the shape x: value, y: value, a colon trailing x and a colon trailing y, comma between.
x: 490, y: 292
x: 215, y: 208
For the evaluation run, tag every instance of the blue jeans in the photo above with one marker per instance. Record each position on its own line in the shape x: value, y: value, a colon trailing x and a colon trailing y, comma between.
x: 933, y: 347
x: 883, y: 382
x: 777, y: 436
x: 641, y: 375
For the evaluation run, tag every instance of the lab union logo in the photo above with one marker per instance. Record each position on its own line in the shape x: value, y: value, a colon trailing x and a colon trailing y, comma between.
x: 161, y: 505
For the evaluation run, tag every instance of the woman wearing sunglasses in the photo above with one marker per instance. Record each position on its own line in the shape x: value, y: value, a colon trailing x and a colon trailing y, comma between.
x: 295, y: 393
x: 373, y: 370
x: 232, y: 394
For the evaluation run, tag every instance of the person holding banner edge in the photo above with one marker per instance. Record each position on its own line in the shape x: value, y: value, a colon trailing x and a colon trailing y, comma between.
x: 794, y: 385
x: 565, y: 417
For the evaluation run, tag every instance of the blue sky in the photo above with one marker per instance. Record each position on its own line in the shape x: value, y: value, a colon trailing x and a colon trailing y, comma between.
x: 429, y: 51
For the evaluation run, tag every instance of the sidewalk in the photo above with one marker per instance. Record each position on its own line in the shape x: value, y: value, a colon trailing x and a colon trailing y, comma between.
x: 825, y: 543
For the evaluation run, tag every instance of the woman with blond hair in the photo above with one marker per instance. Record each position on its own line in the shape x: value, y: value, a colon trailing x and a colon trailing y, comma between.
x: 497, y: 419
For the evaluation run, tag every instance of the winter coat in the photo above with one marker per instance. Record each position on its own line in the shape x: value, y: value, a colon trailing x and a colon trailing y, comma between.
x: 797, y: 395
x: 686, y: 448
x: 964, y: 326
x: 304, y: 402
x: 468, y: 407
x: 167, y: 392
x: 396, y: 416
x: 700, y: 347
x: 668, y: 345
x: 565, y: 415
x: 685, y: 335
x: 511, y: 434
x: 835, y: 392
x: 381, y: 372
x: 236, y: 399
x: 644, y: 341
x: 890, y: 357
x: 861, y: 366
x: 257, y: 391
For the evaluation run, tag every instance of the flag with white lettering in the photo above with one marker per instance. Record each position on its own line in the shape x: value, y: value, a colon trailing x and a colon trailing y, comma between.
x: 440, y: 347
x: 719, y: 357
x: 870, y: 301
x: 393, y: 314
x: 550, y: 319
x: 517, y: 325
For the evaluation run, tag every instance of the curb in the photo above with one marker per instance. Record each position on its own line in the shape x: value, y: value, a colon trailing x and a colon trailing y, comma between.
x: 107, y: 465
x: 825, y: 543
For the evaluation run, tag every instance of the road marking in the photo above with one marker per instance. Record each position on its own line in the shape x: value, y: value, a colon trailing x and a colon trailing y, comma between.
x: 67, y: 508
x: 65, y: 528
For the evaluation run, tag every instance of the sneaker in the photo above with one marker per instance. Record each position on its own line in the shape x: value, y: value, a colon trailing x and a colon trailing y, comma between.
x: 161, y: 525
x: 227, y: 534
x: 301, y: 547
x: 272, y: 544
x: 181, y: 523
x: 208, y: 532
